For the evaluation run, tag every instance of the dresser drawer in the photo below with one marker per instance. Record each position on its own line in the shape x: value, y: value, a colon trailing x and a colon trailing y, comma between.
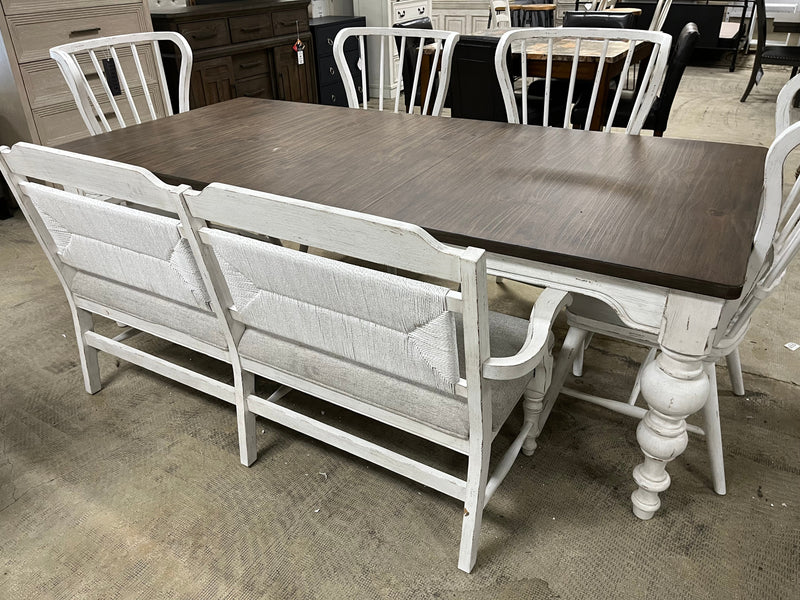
x: 250, y: 27
x: 205, y: 34
x: 34, y: 34
x: 254, y: 87
x: 405, y: 11
x: 333, y: 95
x: 45, y: 85
x: 286, y: 22
x: 323, y: 40
x: 250, y: 63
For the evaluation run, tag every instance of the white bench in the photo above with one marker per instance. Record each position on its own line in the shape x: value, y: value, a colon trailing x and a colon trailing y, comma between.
x: 419, y: 356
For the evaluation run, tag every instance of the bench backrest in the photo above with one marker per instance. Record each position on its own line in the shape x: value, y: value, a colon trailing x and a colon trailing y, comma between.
x: 380, y: 320
x: 67, y: 198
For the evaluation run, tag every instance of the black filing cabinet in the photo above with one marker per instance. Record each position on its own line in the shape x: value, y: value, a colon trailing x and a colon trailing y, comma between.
x: 330, y: 87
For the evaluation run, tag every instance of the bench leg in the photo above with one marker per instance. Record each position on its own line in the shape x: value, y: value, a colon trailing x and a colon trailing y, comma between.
x: 245, y: 420
x: 533, y: 402
x: 90, y: 365
x: 477, y: 476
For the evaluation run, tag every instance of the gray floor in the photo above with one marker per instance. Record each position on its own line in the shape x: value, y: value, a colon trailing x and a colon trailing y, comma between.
x: 136, y: 492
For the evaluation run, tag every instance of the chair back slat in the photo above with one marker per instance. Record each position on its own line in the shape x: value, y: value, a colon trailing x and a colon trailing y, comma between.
x: 124, y: 83
x: 777, y: 239
x: 580, y: 47
x: 410, y: 44
x: 119, y: 74
x: 141, y: 76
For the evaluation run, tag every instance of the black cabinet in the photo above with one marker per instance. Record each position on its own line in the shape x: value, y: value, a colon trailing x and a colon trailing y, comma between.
x: 330, y: 86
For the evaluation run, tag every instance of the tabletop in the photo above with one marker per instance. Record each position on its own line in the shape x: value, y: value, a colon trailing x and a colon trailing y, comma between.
x: 668, y: 212
x: 564, y: 48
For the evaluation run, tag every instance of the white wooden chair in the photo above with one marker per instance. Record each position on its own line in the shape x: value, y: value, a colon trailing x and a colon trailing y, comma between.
x: 659, y: 15
x: 119, y: 262
x: 410, y: 354
x: 120, y: 80
x: 785, y: 103
x: 440, y: 44
x: 776, y: 242
x: 499, y: 14
x: 556, y: 103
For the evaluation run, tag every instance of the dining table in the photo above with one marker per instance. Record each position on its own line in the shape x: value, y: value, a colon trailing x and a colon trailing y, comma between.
x: 659, y: 229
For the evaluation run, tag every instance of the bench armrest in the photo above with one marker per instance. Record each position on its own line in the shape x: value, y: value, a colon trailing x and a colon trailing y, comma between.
x: 543, y: 314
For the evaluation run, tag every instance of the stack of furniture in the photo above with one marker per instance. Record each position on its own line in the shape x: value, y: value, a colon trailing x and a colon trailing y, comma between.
x: 37, y: 105
x: 244, y: 49
x: 330, y: 87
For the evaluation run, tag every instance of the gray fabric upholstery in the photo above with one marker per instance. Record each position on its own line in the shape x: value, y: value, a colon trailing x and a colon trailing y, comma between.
x: 441, y: 410
x: 389, y: 323
x: 137, y: 249
x: 199, y: 324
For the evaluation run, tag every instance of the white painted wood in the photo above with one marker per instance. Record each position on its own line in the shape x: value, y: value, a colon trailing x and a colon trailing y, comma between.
x: 443, y: 42
x: 357, y: 406
x: 375, y: 239
x: 674, y: 386
x: 400, y: 246
x: 544, y: 313
x: 193, y: 379
x: 784, y: 104
x: 424, y: 474
x: 70, y: 56
x: 519, y: 41
x: 734, y: 364
x: 640, y: 306
x: 499, y: 14
x: 714, y: 431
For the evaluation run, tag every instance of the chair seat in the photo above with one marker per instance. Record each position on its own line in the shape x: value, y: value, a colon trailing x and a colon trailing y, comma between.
x: 199, y: 324
x: 788, y: 55
x: 446, y: 412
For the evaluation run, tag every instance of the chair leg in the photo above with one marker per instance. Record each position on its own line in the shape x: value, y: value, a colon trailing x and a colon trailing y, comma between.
x: 577, y: 364
x: 714, y: 431
x: 735, y: 372
x: 752, y: 82
x: 637, y: 385
x: 794, y: 71
x: 90, y: 365
x: 477, y: 477
x: 245, y: 420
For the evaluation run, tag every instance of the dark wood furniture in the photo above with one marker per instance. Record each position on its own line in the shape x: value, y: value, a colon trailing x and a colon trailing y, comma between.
x: 627, y: 206
x: 330, y: 87
x: 709, y: 15
x: 244, y: 48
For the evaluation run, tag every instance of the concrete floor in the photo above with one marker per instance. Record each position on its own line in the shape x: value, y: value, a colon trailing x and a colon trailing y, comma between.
x: 136, y: 492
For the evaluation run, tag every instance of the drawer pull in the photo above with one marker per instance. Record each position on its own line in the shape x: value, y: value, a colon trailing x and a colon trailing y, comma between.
x: 251, y: 29
x: 332, y: 70
x: 87, y: 31
x: 330, y: 42
x: 254, y: 93
x: 421, y: 10
x: 207, y: 35
x: 250, y: 65
x: 401, y: 14
x: 333, y: 98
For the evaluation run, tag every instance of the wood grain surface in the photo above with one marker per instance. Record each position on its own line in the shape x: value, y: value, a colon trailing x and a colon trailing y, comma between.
x: 669, y: 212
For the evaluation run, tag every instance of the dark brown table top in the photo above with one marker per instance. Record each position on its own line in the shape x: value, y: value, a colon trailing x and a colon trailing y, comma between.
x: 668, y: 212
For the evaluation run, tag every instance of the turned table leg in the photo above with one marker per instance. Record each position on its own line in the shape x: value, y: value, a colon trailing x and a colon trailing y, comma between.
x: 675, y: 385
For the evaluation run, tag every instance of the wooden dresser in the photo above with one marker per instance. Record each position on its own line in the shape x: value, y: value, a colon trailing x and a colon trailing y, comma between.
x: 35, y: 103
x: 244, y: 49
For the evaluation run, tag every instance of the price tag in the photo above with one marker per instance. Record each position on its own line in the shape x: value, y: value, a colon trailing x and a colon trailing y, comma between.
x: 298, y: 47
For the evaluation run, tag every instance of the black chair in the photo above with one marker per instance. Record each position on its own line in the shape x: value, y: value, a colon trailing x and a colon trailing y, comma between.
x: 769, y: 55
x: 656, y: 120
x: 474, y: 90
x: 410, y: 60
x: 604, y: 20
